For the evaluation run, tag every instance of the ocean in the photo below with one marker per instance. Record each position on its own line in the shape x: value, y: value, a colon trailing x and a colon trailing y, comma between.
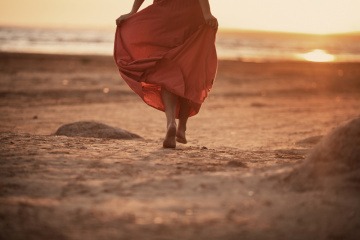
x: 248, y: 46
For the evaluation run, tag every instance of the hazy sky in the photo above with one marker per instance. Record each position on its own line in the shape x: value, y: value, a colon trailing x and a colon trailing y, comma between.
x: 312, y: 16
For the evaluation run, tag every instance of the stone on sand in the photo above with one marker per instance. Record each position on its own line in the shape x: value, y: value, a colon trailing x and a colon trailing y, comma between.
x: 336, y: 155
x: 339, y: 150
x: 94, y: 130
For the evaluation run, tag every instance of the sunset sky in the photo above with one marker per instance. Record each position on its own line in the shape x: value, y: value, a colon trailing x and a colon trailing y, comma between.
x: 308, y: 16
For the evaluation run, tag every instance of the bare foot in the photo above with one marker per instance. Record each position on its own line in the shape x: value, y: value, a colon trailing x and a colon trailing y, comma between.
x: 180, y: 137
x: 169, y: 141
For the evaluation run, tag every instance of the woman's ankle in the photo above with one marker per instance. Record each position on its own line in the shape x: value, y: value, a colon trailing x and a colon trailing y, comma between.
x: 171, y: 124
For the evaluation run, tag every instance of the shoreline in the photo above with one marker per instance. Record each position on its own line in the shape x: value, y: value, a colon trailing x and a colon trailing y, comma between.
x: 103, y: 56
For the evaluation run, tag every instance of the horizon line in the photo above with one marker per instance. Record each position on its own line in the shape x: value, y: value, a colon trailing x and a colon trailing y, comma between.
x: 221, y: 29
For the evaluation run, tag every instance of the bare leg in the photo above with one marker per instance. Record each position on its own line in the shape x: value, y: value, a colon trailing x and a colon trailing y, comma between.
x: 170, y: 101
x: 183, y: 117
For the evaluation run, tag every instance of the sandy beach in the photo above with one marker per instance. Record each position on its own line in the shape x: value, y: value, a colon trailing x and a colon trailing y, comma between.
x: 231, y: 181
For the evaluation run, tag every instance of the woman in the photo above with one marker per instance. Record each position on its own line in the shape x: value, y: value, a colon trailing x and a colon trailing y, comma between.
x: 166, y: 54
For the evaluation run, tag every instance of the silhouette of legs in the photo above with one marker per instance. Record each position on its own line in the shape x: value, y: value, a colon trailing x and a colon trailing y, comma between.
x: 183, y: 117
x: 170, y: 101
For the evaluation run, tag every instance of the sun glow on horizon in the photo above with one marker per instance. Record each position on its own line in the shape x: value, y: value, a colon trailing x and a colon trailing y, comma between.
x: 318, y: 55
x: 312, y: 17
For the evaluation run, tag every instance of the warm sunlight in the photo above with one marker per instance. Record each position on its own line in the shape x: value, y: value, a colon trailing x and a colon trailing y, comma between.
x: 179, y: 121
x: 318, y: 55
x: 320, y: 16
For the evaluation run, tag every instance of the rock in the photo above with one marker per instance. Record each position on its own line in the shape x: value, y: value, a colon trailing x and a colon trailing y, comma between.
x: 336, y: 156
x: 94, y: 130
x: 339, y: 150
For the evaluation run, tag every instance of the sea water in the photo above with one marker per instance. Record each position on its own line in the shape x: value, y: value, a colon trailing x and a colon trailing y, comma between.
x: 236, y: 45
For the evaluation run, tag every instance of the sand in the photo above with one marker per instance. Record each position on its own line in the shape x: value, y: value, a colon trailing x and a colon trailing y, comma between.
x: 237, y: 178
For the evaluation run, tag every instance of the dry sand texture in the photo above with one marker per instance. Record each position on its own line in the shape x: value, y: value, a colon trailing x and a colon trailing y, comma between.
x: 243, y: 174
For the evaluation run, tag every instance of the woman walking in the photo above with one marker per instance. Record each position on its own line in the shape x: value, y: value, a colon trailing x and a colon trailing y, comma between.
x: 166, y: 54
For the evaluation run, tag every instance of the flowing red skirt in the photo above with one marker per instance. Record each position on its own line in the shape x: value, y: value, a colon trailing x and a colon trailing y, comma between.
x: 167, y: 45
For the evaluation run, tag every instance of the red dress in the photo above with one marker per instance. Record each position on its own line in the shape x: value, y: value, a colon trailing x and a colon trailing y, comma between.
x: 167, y: 45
